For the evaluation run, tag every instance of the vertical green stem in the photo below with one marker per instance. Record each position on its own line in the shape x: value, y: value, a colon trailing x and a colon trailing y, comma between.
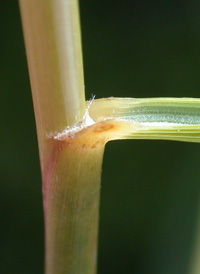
x: 72, y: 204
x: 71, y: 175
x: 53, y: 45
x: 71, y: 165
x: 195, y: 258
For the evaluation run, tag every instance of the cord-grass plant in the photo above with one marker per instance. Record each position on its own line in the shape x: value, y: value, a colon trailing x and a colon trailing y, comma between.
x: 72, y: 133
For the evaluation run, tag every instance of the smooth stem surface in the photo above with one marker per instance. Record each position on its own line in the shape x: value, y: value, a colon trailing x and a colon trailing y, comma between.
x: 195, y: 258
x: 53, y: 45
x: 71, y: 177
x: 72, y: 181
x: 71, y: 144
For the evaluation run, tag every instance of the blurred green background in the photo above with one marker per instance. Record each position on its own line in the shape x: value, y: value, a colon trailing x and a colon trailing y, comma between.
x: 150, y: 189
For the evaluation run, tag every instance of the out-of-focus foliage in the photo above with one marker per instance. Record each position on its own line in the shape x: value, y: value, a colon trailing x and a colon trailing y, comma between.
x: 150, y: 189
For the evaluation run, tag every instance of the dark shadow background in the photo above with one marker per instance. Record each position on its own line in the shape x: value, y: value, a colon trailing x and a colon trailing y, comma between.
x: 150, y: 189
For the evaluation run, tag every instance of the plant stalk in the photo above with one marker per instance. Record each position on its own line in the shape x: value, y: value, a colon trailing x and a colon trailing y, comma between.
x: 53, y: 46
x: 72, y: 208
x: 71, y: 176
x: 72, y: 137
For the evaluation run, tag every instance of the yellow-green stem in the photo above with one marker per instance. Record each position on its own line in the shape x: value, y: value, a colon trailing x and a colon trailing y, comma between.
x: 71, y: 177
x: 53, y: 46
x: 71, y: 144
x: 72, y: 181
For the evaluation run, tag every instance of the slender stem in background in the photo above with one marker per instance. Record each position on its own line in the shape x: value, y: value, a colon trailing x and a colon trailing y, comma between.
x: 195, y: 258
